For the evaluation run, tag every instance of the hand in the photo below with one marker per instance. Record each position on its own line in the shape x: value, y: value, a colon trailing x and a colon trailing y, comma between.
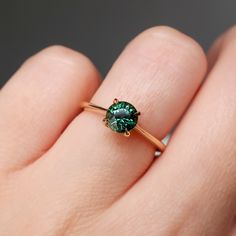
x: 62, y: 172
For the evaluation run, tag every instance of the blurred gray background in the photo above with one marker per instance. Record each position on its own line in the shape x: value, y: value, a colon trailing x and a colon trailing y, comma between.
x: 100, y: 29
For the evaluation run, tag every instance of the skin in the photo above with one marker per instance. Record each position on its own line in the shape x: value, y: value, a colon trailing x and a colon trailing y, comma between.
x: 62, y: 172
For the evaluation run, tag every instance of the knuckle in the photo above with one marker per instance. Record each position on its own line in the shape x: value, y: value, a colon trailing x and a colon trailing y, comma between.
x: 64, y: 55
x: 61, y: 58
x: 169, y: 41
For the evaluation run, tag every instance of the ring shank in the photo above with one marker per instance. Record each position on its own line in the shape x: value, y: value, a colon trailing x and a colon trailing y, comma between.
x: 92, y: 107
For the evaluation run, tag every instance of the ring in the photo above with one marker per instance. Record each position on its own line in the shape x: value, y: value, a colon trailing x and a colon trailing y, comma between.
x: 122, y: 117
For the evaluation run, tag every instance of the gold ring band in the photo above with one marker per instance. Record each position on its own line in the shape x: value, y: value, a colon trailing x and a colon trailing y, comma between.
x: 98, y: 109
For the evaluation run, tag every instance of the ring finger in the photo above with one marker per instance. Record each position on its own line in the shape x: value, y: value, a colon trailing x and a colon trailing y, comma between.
x: 159, y: 72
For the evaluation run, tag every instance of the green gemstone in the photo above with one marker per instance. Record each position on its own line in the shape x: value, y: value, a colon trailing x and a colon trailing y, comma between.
x: 121, y: 117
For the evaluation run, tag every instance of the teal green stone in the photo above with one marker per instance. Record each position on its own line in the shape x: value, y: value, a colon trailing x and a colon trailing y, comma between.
x: 121, y: 116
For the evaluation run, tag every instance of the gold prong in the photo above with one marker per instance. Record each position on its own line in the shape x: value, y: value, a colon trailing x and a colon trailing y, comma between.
x: 126, y: 133
x: 105, y: 121
x: 115, y: 101
x: 138, y: 113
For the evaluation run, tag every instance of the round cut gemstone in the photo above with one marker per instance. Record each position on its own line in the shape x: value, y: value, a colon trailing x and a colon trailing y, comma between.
x: 121, y: 117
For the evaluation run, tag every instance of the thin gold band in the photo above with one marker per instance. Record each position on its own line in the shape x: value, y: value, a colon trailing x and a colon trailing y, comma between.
x: 144, y: 133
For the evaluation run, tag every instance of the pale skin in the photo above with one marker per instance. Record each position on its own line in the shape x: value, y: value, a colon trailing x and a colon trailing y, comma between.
x: 62, y: 172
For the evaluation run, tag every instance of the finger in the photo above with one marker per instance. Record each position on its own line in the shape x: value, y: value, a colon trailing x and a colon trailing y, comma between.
x: 158, y: 72
x: 233, y: 229
x: 213, y: 55
x: 39, y: 101
x: 192, y: 190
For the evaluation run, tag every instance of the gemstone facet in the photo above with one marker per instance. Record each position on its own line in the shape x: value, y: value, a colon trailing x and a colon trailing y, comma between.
x: 121, y: 116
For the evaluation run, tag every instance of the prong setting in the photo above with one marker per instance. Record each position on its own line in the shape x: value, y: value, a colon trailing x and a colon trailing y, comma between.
x: 126, y: 133
x: 105, y: 121
x: 115, y: 101
x: 122, y: 116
